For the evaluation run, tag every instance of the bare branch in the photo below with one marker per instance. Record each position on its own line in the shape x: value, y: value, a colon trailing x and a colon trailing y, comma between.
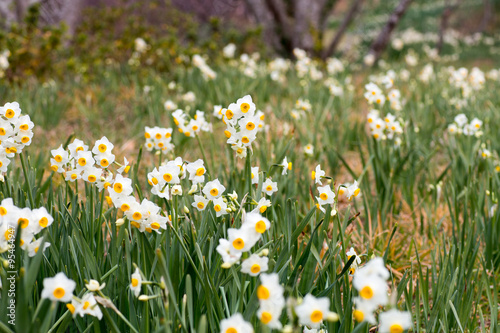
x: 383, y: 38
x: 355, y: 8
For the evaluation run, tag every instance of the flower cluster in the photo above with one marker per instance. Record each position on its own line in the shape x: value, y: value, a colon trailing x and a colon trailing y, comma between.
x: 461, y: 125
x: 93, y: 166
x: 207, y: 72
x: 60, y: 289
x: 191, y: 126
x: 305, y: 66
x: 242, y: 240
x: 158, y: 138
x: 271, y: 300
x: 144, y: 215
x: 371, y: 283
x: 16, y: 132
x: 384, y: 128
x: 243, y: 122
x: 29, y: 222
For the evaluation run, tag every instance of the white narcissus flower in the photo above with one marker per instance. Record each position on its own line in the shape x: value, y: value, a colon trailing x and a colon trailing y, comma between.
x: 58, y: 288
x: 269, y: 187
x: 254, y: 265
x: 394, y: 321
x: 312, y: 311
x: 316, y: 174
x: 326, y: 195
x: 270, y: 290
x: 286, y: 166
x: 262, y: 206
x: 136, y: 282
x: 220, y: 206
x: 200, y: 203
x: 355, y: 263
x: 269, y: 314
x: 255, y: 175
x: 242, y: 240
x: 364, y: 311
x: 88, y: 306
x: 235, y: 324
x: 228, y: 256
x: 34, y: 247
x: 257, y: 223
x: 213, y: 189
x: 309, y: 150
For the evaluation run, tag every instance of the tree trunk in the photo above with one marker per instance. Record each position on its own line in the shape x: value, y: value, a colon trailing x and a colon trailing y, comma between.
x: 355, y: 8
x: 488, y: 14
x: 380, y: 43
x: 445, y: 18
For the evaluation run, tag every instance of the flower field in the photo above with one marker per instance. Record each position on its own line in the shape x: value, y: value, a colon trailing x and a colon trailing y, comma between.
x: 242, y: 194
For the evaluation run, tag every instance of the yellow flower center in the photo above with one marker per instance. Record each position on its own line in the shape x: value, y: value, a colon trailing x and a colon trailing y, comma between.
x: 200, y: 205
x: 135, y: 224
x: 250, y: 126
x: 73, y: 176
x: 147, y: 135
x: 214, y: 192
x: 269, y: 188
x: 158, y: 136
x: 54, y: 167
x: 396, y: 328
x: 313, y: 175
x: 266, y: 317
x: 366, y: 292
x: 359, y: 316
x: 217, y: 208
x: 316, y: 316
x: 2, y: 131
x: 231, y: 330
x: 135, y: 282
x: 58, y: 158
x: 59, y: 293
x: 323, y: 196
x: 3, y: 211
x: 245, y: 139
x: 356, y: 192
x: 229, y: 114
x: 125, y: 207
x: 86, y: 305
x: 23, y: 222
x: 245, y: 107
x: 102, y: 147
x: 255, y: 268
x: 200, y: 172
x: 71, y: 308
x: 43, y: 222
x: 263, y: 209
x: 238, y: 243
x: 92, y: 178
x: 227, y: 133
x: 9, y: 113
x: 260, y: 227
x: 137, y: 216
x: 25, y: 139
x: 79, y: 149
x: 118, y: 187
x: 104, y: 162
x: 155, y: 225
x: 82, y: 161
x: 263, y: 292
